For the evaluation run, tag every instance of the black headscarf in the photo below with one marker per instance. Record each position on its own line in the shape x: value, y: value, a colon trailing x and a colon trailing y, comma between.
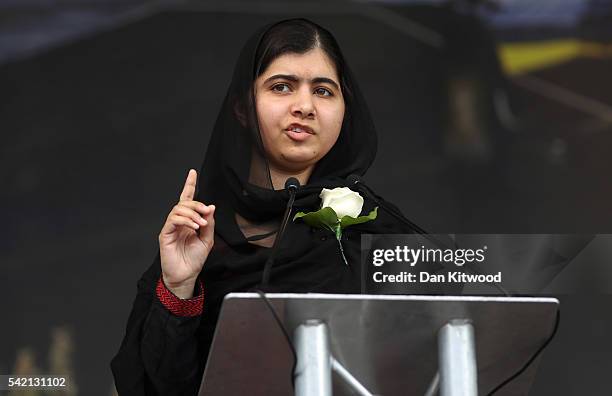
x: 307, y: 260
x: 236, y: 146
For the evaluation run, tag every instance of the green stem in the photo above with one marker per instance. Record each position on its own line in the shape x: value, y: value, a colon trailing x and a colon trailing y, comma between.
x: 338, y: 231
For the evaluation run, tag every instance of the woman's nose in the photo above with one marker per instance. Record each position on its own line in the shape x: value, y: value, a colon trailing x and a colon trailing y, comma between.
x: 303, y: 106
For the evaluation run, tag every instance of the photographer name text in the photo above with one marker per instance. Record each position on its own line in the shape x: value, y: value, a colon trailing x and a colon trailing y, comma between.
x: 426, y: 277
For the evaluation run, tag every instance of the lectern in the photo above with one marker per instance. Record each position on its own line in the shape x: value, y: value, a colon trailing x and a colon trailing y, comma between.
x: 376, y: 344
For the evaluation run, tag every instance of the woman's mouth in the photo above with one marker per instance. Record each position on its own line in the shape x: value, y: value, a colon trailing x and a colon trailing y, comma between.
x: 299, y: 132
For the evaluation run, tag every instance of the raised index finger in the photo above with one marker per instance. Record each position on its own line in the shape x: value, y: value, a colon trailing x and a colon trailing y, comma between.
x: 190, y: 186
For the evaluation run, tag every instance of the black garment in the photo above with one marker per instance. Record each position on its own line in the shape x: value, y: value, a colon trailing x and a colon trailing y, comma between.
x: 164, y: 354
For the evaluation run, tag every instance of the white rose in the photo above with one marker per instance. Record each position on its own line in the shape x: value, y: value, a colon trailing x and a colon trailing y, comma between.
x: 343, y: 200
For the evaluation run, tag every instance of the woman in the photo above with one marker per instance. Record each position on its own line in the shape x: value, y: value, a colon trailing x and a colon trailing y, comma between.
x: 293, y: 109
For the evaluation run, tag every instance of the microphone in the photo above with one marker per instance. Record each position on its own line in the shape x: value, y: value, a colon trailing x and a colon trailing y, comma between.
x: 292, y: 185
x: 353, y: 179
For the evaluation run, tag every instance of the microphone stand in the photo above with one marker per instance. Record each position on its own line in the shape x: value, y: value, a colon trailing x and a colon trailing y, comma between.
x: 292, y: 184
x: 361, y: 186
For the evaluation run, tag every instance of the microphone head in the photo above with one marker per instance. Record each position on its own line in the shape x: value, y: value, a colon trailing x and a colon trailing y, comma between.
x: 292, y: 184
x: 353, y: 179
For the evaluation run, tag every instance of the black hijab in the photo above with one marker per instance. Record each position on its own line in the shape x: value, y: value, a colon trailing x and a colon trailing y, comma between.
x: 236, y: 145
x: 236, y: 148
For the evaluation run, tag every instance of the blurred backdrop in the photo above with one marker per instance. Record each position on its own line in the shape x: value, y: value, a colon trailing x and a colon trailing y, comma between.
x: 493, y: 116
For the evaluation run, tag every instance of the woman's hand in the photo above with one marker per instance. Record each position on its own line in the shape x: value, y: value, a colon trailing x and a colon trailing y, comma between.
x: 185, y: 240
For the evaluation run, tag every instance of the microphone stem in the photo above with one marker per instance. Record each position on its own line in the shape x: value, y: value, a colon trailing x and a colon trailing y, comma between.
x: 391, y: 211
x: 265, y: 278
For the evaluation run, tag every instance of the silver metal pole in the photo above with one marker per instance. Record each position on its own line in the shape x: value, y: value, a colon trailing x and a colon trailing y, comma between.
x: 313, y: 369
x: 351, y: 381
x: 457, y: 359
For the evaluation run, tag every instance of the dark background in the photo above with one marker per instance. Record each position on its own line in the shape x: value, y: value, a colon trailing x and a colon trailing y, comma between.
x: 105, y: 105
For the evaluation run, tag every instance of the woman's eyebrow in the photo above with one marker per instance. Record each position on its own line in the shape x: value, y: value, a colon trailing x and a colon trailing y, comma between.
x: 295, y: 78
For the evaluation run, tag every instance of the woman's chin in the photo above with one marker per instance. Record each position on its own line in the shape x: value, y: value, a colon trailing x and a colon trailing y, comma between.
x: 298, y: 161
x: 299, y: 156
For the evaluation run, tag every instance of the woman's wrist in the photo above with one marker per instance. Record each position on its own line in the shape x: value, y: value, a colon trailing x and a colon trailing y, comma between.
x: 189, y: 307
x: 183, y: 290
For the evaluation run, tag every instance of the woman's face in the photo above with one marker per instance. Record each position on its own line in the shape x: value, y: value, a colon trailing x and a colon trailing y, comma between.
x: 300, y: 109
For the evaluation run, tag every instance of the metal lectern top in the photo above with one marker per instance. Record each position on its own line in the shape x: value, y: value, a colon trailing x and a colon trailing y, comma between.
x: 389, y: 343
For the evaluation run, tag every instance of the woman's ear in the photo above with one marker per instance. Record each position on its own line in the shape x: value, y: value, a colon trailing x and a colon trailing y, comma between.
x: 240, y: 114
x: 243, y: 108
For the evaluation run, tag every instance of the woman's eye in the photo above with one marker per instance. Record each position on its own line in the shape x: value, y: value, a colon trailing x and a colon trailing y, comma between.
x: 323, y: 92
x: 281, y: 88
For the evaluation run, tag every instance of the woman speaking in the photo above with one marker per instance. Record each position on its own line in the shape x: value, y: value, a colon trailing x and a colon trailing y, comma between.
x: 293, y: 110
